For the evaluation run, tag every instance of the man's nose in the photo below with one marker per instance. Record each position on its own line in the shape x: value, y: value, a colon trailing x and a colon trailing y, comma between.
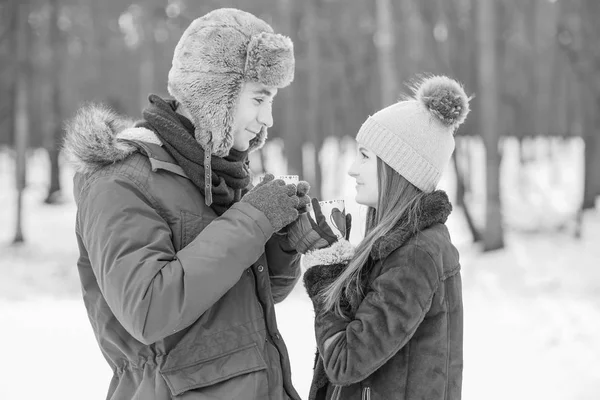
x: 265, y: 116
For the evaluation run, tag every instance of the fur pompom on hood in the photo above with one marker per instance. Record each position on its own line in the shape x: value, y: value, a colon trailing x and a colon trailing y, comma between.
x: 435, y: 208
x: 96, y: 136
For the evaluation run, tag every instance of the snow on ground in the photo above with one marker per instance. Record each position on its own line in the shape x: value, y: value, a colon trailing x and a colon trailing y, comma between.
x: 532, y: 311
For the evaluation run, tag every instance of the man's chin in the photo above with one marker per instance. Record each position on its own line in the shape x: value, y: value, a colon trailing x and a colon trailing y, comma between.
x: 243, y: 147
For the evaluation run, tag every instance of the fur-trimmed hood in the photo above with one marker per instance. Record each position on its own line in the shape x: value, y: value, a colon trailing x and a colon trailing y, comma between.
x: 339, y: 252
x: 435, y: 208
x: 97, y: 136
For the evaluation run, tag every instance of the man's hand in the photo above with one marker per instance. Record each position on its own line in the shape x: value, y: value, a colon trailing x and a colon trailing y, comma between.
x: 276, y: 200
x: 303, y: 198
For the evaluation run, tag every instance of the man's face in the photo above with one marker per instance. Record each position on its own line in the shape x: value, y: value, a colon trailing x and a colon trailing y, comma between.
x: 254, y: 110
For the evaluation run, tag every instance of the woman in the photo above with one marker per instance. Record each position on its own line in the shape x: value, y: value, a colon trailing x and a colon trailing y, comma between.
x: 388, y: 314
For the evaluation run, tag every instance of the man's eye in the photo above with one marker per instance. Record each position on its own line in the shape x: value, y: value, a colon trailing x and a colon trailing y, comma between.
x: 258, y: 100
x: 363, y: 155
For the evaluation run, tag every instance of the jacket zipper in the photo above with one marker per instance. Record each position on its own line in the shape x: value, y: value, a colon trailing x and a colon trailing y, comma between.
x: 366, y: 393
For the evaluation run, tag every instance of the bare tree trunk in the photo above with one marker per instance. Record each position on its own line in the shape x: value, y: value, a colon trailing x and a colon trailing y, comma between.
x: 9, y: 34
x: 385, y: 42
x: 289, y: 126
x: 53, y: 143
x: 591, y: 87
x: 493, y: 237
x: 580, y: 20
x: 430, y: 13
x: 147, y: 51
x: 531, y: 63
x: 21, y: 132
x: 93, y: 35
x: 460, y: 180
x: 314, y: 80
x: 591, y: 185
x: 460, y: 193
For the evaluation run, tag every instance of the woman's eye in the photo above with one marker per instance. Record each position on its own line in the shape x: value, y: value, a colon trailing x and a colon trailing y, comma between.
x: 258, y: 101
x: 363, y: 155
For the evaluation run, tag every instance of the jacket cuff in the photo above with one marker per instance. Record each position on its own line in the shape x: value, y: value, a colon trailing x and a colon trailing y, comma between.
x: 338, y: 253
x: 319, y: 277
x: 258, y: 216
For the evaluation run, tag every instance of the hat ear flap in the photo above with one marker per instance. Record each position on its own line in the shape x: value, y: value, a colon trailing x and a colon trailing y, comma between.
x: 211, y: 102
x: 259, y: 140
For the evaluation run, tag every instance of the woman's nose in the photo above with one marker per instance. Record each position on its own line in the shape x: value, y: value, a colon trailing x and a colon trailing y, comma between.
x: 352, y: 171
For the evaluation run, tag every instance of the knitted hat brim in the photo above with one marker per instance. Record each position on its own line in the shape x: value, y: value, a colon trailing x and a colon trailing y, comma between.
x: 398, y: 154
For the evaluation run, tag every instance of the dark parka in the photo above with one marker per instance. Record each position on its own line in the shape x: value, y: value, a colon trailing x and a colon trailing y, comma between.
x: 181, y: 301
x: 405, y: 338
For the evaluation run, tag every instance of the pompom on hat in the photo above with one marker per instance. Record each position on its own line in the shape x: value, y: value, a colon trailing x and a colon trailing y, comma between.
x: 415, y: 137
x: 215, y: 56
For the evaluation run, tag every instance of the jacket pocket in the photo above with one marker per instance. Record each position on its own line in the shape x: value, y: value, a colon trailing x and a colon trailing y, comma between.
x: 242, y: 370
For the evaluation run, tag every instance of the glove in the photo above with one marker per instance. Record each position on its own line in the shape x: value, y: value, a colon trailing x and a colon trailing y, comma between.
x: 265, y: 179
x: 348, y: 226
x: 275, y: 199
x: 305, y: 234
x: 303, y: 197
x: 301, y: 191
x: 303, y: 200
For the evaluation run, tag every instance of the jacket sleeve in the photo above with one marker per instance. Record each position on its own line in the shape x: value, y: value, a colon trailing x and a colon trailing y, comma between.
x: 153, y: 290
x: 284, y: 267
x: 323, y: 266
x: 386, y: 319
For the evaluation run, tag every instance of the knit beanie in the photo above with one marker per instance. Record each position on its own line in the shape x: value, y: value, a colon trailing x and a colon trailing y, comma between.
x: 215, y: 55
x: 415, y: 137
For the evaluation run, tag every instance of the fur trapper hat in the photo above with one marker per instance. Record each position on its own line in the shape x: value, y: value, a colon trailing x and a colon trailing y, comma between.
x: 216, y: 54
x: 415, y: 137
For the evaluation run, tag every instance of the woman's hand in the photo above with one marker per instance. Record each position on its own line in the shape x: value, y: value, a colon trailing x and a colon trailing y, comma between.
x: 306, y: 234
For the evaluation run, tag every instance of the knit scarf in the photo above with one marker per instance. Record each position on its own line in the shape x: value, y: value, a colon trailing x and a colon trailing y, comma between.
x: 224, y: 179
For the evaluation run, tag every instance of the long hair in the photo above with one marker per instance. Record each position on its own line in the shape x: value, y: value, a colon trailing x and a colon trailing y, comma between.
x: 398, y: 206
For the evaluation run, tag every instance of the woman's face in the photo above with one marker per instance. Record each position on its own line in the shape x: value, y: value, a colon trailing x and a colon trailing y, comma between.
x: 364, y: 171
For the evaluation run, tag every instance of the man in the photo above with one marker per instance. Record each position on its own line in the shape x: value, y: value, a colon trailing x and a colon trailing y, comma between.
x: 179, y: 266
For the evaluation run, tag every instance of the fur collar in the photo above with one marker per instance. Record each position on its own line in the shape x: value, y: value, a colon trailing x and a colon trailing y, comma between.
x: 339, y: 252
x: 97, y: 136
x: 435, y: 209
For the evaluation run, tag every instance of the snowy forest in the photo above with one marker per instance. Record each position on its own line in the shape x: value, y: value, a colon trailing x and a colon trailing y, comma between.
x: 524, y: 179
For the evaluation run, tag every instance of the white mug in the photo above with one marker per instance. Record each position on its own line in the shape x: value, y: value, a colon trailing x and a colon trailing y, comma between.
x: 288, y: 179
